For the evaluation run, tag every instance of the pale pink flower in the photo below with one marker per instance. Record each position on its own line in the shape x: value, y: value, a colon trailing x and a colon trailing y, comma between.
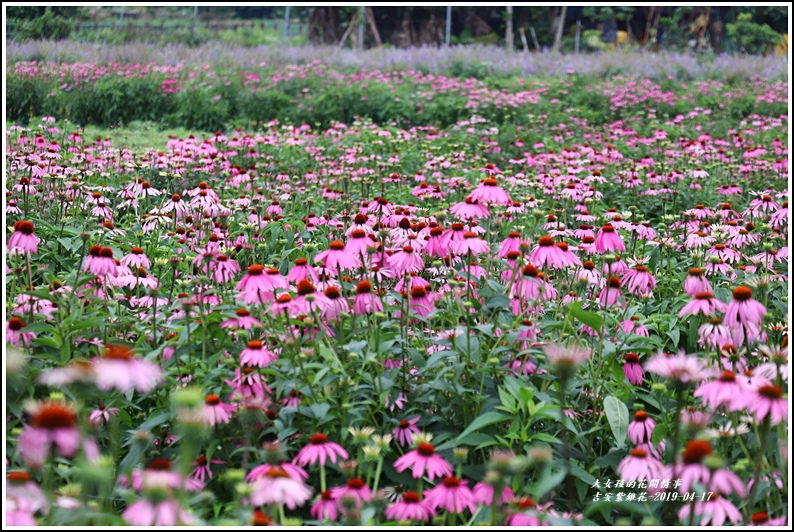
x: 404, y: 433
x: 319, y: 449
x: 216, y: 412
x: 423, y: 460
x: 411, y: 507
x: 119, y: 369
x: 276, y: 486
x: 451, y: 494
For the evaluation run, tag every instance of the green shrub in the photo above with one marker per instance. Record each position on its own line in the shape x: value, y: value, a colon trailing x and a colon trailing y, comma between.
x: 750, y: 37
x: 197, y: 107
x: 46, y: 26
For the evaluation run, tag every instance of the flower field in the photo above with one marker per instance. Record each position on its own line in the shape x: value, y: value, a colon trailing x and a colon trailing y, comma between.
x: 394, y: 297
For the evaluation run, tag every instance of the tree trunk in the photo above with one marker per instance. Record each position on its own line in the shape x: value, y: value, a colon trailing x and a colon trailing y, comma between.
x: 349, y: 30
x: 509, y: 38
x: 373, y: 26
x: 323, y: 25
x: 560, y: 27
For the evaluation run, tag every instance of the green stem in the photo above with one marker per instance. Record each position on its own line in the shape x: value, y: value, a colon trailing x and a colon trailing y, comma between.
x: 377, y: 475
x: 759, y: 458
x: 566, y: 449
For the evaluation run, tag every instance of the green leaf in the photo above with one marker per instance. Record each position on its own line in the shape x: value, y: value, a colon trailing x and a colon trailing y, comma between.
x: 542, y: 436
x: 659, y: 433
x: 546, y: 484
x: 580, y: 473
x: 618, y: 417
x: 674, y: 336
x: 489, y: 418
x: 591, y: 319
x: 155, y: 421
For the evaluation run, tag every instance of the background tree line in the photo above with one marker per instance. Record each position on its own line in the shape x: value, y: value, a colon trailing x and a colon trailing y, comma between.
x: 750, y: 29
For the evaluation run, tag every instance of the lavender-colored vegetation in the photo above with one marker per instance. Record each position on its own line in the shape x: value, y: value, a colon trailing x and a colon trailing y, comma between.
x: 488, y: 60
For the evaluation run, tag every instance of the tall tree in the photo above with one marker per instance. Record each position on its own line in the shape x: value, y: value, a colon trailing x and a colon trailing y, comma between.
x: 560, y: 27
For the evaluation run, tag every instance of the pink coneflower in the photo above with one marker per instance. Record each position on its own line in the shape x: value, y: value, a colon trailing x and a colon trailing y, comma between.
x: 438, y: 244
x: 471, y: 243
x: 216, y: 412
x: 119, y: 369
x: 725, y: 391
x: 242, y: 320
x: 23, y: 240
x: 319, y: 449
x: 763, y: 519
x: 489, y: 191
x: 743, y: 309
x: 634, y: 326
x: 302, y: 270
x: 725, y: 253
x: 25, y: 498
x: 714, y: 512
x: 248, y: 383
x: 700, y: 212
x: 336, y: 304
x: 566, y: 358
x: 337, y: 258
x: 567, y: 257
x: 138, y: 277
x: 420, y: 302
x: 308, y: 299
x: 255, y: 354
x: 100, y: 261
x: 532, y: 518
x: 513, y: 242
x: 255, y: 286
x: 102, y: 415
x: 292, y: 470
x: 639, y: 280
x: 547, y: 254
x: 411, y: 507
x: 355, y: 489
x: 358, y: 243
x: 727, y: 482
x: 136, y: 259
x: 641, y: 428
x: 767, y: 401
x: 424, y: 459
x: 588, y: 273
x: 690, y: 468
x: 404, y: 433
x: 276, y: 486
x: 703, y: 303
x: 366, y: 302
x: 639, y: 465
x: 406, y: 260
x: 484, y: 493
x: 164, y: 512
x: 224, y: 269
x: 681, y: 368
x: 325, y: 507
x: 202, y: 470
x: 51, y: 423
x: 714, y: 334
x: 452, y: 495
x: 469, y: 209
x: 611, y: 292
x: 608, y: 240
x: 14, y: 335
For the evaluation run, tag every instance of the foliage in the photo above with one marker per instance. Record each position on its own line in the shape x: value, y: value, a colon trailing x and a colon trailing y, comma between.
x: 750, y: 37
x: 50, y: 24
x: 547, y: 381
x: 608, y: 12
x: 212, y: 100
